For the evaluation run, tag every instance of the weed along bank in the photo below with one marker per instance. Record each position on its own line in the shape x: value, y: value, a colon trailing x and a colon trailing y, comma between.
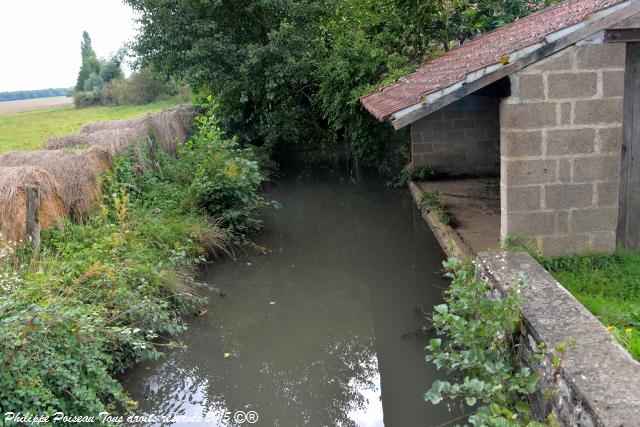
x: 532, y: 134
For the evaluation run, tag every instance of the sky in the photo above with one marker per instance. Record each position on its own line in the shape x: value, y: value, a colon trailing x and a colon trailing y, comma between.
x: 40, y: 39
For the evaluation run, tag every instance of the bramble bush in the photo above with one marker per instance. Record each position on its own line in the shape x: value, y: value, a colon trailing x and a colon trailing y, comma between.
x: 111, y: 291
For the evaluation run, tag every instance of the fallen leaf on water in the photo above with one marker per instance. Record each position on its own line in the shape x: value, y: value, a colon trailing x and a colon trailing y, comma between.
x: 272, y: 302
x: 227, y: 355
x: 202, y: 312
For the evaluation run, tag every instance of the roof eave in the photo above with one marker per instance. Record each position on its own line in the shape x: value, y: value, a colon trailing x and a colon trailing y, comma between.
x: 478, y: 79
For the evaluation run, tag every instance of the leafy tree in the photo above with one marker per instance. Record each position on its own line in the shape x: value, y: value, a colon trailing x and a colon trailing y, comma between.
x: 292, y: 71
x: 90, y: 62
x: 111, y: 70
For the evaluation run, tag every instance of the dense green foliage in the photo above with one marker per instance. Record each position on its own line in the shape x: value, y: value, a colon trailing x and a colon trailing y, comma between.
x: 609, y: 286
x: 30, y: 94
x: 292, y: 71
x: 477, y: 337
x: 110, y: 291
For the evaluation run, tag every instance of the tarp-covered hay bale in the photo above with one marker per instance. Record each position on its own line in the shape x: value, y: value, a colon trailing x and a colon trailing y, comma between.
x: 75, y: 172
x: 13, y: 201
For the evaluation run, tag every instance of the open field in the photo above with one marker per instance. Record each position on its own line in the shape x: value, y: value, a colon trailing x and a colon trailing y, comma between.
x: 30, y: 130
x: 9, y: 107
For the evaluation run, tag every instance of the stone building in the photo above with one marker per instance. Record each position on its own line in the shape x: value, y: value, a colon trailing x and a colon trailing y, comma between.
x: 551, y: 105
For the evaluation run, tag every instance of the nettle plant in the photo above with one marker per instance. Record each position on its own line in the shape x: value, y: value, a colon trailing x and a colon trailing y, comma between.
x: 477, y: 345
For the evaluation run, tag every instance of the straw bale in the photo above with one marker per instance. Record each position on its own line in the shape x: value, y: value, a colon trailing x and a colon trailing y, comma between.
x: 13, y: 212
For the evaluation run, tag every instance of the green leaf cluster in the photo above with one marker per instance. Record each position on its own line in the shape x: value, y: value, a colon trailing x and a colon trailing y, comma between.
x: 477, y: 337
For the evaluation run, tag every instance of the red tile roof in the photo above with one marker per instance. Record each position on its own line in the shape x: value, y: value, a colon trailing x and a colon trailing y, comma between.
x: 478, y: 53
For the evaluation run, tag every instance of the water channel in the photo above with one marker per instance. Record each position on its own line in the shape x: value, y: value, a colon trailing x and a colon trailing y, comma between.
x: 327, y: 329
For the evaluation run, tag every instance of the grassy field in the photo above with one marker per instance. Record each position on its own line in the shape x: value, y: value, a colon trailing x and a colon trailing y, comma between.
x: 609, y: 287
x: 30, y: 130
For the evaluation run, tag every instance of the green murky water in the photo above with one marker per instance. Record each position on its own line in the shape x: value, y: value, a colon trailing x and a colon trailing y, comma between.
x: 326, y: 330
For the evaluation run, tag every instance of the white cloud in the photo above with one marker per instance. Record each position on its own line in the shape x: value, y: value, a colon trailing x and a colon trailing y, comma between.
x: 40, y: 39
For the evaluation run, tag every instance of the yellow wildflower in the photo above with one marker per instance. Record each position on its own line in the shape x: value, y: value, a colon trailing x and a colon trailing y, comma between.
x: 609, y: 328
x: 628, y: 330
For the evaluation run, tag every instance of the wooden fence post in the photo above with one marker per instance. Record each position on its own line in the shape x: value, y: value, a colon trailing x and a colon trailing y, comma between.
x: 33, y: 226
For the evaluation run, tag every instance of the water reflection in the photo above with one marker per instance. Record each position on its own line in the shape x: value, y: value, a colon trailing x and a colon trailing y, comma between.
x: 323, y: 331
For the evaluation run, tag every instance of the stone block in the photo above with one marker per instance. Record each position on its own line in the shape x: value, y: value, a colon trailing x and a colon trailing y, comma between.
x: 562, y: 60
x: 531, y: 223
x: 603, y: 241
x: 567, y: 196
x: 442, y: 125
x: 523, y: 199
x: 572, y: 85
x: 600, y: 168
x: 464, y: 124
x: 422, y: 125
x: 565, y: 113
x: 443, y: 135
x: 608, y: 193
x: 570, y: 141
x: 416, y: 137
x: 453, y: 113
x: 531, y: 87
x: 610, y: 140
x: 590, y: 220
x: 529, y: 172
x: 533, y: 115
x: 564, y: 170
x: 598, y: 111
x: 521, y: 144
x: 613, y: 84
x: 597, y: 56
x: 422, y: 148
x: 562, y: 222
x: 564, y: 245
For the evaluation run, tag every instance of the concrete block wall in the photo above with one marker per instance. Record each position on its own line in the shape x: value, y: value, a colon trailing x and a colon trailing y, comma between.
x: 460, y: 139
x: 561, y: 147
x: 598, y: 382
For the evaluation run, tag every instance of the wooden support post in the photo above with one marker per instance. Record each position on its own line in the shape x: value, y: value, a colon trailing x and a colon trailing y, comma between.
x: 33, y: 226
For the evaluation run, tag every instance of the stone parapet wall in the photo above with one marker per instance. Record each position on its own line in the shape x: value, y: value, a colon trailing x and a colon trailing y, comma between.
x: 460, y: 139
x: 598, y: 382
x: 561, y: 147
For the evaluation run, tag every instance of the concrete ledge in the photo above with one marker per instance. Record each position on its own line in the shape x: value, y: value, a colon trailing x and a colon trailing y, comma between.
x: 598, y: 383
x: 450, y: 241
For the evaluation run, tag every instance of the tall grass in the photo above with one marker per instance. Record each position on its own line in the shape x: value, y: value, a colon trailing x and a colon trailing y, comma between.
x: 608, y: 285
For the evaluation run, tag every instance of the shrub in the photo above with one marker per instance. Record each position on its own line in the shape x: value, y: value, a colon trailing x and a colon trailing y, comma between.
x: 476, y: 344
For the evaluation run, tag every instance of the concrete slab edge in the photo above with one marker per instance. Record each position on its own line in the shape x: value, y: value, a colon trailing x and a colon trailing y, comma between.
x: 598, y: 382
x: 449, y: 240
